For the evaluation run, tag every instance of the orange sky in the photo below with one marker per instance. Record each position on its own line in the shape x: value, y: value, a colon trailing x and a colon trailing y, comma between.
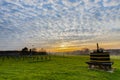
x: 66, y: 47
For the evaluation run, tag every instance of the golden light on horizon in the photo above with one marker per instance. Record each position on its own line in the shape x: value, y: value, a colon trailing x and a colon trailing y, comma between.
x: 62, y: 47
x: 68, y: 46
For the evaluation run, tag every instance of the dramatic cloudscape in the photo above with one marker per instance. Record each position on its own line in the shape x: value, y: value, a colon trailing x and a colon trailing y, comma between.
x: 59, y: 23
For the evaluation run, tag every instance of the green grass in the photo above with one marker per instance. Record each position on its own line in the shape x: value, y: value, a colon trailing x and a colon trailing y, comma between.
x: 58, y: 68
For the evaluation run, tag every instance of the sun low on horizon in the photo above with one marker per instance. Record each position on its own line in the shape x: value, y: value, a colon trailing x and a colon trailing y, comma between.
x: 59, y: 25
x: 63, y: 47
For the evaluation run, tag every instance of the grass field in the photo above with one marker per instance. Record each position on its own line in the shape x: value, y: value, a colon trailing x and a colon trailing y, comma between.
x: 58, y: 68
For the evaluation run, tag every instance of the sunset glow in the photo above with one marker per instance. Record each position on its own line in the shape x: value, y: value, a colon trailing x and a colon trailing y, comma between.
x: 91, y: 46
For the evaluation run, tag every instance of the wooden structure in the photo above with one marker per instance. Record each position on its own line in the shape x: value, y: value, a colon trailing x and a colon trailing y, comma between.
x: 100, y: 59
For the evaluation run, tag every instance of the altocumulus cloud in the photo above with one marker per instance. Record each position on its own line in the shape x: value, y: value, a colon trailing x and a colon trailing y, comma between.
x: 46, y: 22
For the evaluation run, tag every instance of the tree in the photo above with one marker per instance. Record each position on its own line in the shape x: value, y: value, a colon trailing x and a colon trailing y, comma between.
x: 25, y: 51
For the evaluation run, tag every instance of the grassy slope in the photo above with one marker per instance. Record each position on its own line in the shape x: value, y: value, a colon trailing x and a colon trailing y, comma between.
x: 59, y: 68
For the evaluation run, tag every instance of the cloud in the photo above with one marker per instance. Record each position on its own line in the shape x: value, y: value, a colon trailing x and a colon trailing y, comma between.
x: 28, y: 22
x: 109, y: 3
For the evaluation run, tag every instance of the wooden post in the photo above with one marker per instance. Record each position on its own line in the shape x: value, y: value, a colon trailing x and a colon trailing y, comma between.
x: 97, y: 47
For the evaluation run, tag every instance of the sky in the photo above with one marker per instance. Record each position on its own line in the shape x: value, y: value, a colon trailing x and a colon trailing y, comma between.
x: 59, y: 24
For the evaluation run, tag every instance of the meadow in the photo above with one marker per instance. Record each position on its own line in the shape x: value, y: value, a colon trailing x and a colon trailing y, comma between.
x: 58, y: 68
